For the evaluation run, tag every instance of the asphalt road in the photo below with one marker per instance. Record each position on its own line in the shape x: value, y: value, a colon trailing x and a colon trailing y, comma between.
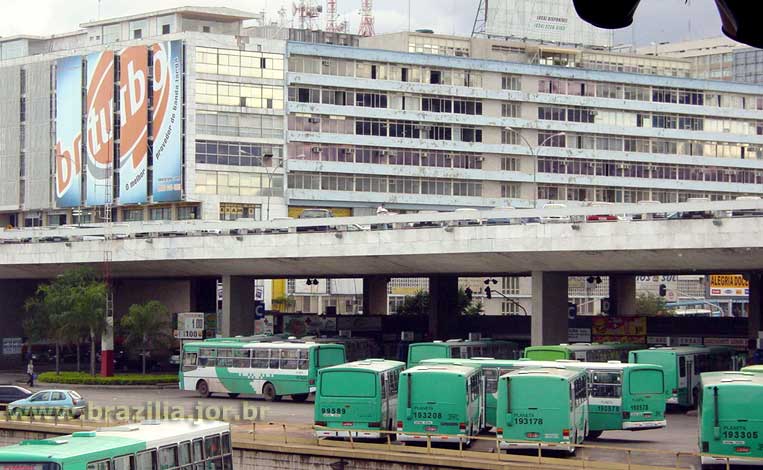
x: 655, y: 447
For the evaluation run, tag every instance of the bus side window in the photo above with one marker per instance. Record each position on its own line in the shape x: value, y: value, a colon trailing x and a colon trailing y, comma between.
x: 383, y: 382
x: 491, y: 379
x: 123, y: 462
x: 168, y: 457
x: 455, y: 352
x: 99, y: 465
x: 213, y: 453
x: 275, y: 357
x: 184, y: 454
x: 682, y: 366
x: 304, y: 360
x: 226, y: 443
x: 394, y: 382
x: 198, y: 454
x: 145, y: 460
x: 189, y: 361
x: 289, y: 358
x: 261, y: 360
x: 207, y: 357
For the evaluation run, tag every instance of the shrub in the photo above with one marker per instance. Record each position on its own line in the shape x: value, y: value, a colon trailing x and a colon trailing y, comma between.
x: 118, y: 379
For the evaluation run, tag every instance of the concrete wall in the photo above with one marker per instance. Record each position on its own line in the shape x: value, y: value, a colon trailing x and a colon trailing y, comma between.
x: 174, y: 294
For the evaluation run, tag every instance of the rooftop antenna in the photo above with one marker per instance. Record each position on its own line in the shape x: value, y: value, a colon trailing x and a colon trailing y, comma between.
x: 366, y: 18
x: 307, y: 13
x: 99, y: 9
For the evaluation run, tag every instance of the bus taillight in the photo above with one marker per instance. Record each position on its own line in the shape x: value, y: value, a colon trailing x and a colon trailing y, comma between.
x: 320, y: 423
x: 461, y: 427
x: 742, y: 450
x: 499, y: 431
x: 675, y: 391
x: 565, y: 433
x: 626, y: 414
x: 399, y: 425
x: 347, y: 423
x: 312, y: 381
x: 374, y: 425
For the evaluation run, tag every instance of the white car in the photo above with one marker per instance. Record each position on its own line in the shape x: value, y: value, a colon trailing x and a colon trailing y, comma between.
x: 555, y: 219
x: 476, y: 220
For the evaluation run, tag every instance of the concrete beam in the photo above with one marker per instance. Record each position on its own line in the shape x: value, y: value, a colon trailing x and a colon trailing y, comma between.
x: 238, y: 306
x: 549, y: 314
x: 443, y: 305
x: 375, y: 295
x: 622, y: 295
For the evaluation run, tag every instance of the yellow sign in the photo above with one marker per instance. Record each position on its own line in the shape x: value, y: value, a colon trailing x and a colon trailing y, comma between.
x: 295, y: 212
x: 729, y: 285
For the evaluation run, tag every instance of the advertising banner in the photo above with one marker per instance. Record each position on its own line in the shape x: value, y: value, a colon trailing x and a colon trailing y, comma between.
x: 133, y: 127
x: 99, y: 128
x: 619, y: 326
x: 167, y: 121
x: 729, y: 285
x: 190, y: 325
x: 12, y: 346
x: 579, y: 335
x: 69, y: 132
x: 264, y: 325
x: 302, y: 325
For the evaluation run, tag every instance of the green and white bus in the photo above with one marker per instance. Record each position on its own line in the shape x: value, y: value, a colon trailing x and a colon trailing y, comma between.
x: 543, y: 406
x: 621, y: 396
x: 587, y: 352
x: 272, y: 369
x: 151, y: 445
x: 462, y: 349
x: 757, y: 369
x: 682, y: 366
x: 441, y: 401
x: 357, y: 399
x: 731, y: 419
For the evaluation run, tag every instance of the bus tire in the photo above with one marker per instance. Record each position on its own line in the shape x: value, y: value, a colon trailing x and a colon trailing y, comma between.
x: 594, y: 434
x: 233, y: 395
x: 299, y: 397
x: 269, y: 391
x: 203, y: 388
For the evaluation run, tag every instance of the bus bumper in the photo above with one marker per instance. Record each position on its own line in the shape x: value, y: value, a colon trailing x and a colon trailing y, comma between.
x: 353, y: 434
x: 423, y: 438
x: 564, y: 446
x: 673, y: 400
x: 706, y: 460
x: 311, y: 390
x: 643, y: 425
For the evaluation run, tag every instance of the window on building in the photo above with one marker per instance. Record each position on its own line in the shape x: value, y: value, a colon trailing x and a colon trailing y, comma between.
x: 132, y: 215
x: 137, y: 34
x: 206, y: 29
x: 160, y: 213
x: 510, y: 109
x: 511, y: 82
x: 510, y: 190
x: 509, y: 137
x: 509, y: 164
x: 165, y: 29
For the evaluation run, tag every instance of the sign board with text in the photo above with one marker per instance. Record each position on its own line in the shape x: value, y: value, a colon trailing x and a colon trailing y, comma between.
x: 579, y: 335
x: 11, y: 346
x: 729, y: 285
x: 190, y: 325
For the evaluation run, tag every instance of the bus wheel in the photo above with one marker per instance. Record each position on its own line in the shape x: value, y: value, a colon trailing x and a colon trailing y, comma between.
x: 594, y: 434
x: 233, y: 395
x: 203, y: 388
x: 299, y: 397
x: 269, y: 391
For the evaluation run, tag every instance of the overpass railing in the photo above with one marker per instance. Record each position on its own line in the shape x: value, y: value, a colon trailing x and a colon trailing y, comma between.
x: 615, y: 213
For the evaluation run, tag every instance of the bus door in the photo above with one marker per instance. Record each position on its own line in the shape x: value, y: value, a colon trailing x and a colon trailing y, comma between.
x: 384, y: 399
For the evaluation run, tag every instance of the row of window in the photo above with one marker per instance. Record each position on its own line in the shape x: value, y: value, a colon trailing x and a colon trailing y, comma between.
x: 239, y: 124
x: 243, y: 95
x: 239, y: 63
x: 210, y: 453
x: 229, y: 183
x: 383, y: 156
x: 384, y: 184
x: 649, y: 170
x: 562, y: 192
x: 236, y: 153
x: 260, y: 358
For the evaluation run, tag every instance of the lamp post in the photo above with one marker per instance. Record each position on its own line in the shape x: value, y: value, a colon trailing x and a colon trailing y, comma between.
x: 534, y: 156
x: 281, y: 164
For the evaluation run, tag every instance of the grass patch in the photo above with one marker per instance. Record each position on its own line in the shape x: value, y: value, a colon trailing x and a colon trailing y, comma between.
x: 117, y: 379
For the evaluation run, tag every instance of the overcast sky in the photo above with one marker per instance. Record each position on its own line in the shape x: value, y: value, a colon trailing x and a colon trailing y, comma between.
x: 656, y: 20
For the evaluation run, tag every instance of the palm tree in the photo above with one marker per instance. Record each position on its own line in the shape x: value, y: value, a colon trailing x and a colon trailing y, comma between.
x: 148, y: 327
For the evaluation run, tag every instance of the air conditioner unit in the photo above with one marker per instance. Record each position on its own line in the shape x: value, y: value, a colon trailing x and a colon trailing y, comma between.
x: 316, y: 150
x: 349, y: 151
x: 480, y: 159
x: 325, y: 63
x: 314, y: 120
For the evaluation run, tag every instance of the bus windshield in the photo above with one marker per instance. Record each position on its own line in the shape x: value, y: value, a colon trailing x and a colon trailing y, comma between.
x: 647, y: 381
x: 606, y: 384
x: 348, y: 384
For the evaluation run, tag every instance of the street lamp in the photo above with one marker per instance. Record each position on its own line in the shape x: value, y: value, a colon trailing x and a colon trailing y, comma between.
x: 535, y: 159
x: 281, y: 164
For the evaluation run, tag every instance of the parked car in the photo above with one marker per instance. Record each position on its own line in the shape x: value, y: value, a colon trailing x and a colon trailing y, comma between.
x: 315, y: 214
x: 555, y: 219
x: 11, y: 393
x: 650, y: 216
x: 500, y: 220
x: 426, y: 223
x: 696, y: 214
x: 278, y: 230
x: 476, y: 220
x: 49, y: 402
x: 602, y: 217
x: 747, y: 212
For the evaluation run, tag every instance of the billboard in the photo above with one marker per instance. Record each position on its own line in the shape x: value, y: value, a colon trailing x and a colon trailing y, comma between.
x: 167, y: 121
x: 99, y: 128
x: 542, y: 20
x: 69, y: 132
x: 729, y: 285
x: 133, y: 125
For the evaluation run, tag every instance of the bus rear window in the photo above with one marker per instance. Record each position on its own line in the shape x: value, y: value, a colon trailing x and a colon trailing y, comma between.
x: 330, y: 356
x: 29, y: 466
x: 646, y: 382
x: 348, y: 384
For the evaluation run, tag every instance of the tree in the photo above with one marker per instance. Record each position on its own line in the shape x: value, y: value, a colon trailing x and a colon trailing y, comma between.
x: 417, y: 304
x: 61, y: 309
x: 284, y: 303
x: 648, y: 304
x: 474, y: 308
x: 148, y: 327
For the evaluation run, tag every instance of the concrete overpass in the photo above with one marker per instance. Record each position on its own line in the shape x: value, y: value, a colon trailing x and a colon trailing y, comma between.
x: 499, y: 242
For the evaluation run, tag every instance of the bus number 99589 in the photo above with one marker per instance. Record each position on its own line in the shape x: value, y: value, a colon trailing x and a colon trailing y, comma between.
x: 333, y: 411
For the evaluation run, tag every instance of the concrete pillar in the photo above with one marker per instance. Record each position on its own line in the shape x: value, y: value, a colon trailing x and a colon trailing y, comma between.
x: 549, y: 315
x: 238, y: 306
x: 443, y: 305
x: 622, y: 295
x: 375, y: 295
x: 755, y: 307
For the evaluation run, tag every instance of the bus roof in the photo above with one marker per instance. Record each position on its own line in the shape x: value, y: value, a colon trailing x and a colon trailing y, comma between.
x: 373, y: 365
x: 577, y: 347
x: 756, y: 368
x: 442, y: 369
x: 557, y: 371
x: 726, y: 378
x: 130, y: 438
x: 462, y: 342
x: 227, y: 343
x: 679, y: 350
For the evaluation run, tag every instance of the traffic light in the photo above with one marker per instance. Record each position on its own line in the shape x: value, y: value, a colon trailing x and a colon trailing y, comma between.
x: 572, y: 310
x: 663, y: 290
x: 488, y: 292
x: 469, y: 293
